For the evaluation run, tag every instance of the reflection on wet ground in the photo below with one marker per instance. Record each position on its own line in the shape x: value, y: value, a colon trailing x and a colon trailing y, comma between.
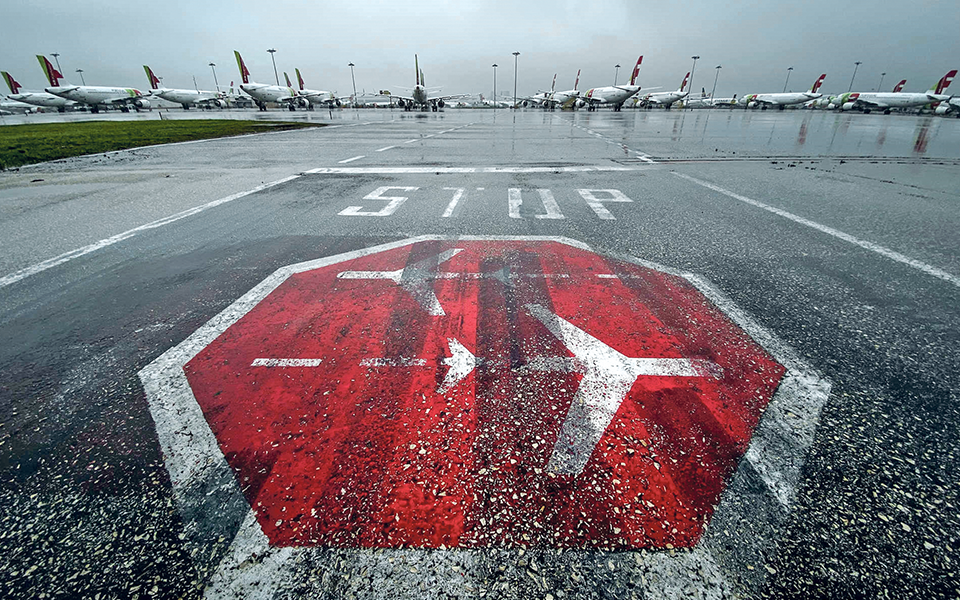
x: 719, y: 133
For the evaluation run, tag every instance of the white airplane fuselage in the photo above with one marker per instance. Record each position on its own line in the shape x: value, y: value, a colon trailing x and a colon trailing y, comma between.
x: 785, y: 99
x: 612, y: 95
x: 42, y: 99
x: 98, y: 95
x: 887, y: 100
x: 269, y: 93
x: 664, y: 98
x: 319, y: 97
x: 187, y: 97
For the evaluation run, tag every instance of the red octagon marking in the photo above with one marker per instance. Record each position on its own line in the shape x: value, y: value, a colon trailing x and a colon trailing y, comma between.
x: 494, y: 393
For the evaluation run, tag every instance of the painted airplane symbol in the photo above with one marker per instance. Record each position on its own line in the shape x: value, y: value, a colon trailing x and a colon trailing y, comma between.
x: 418, y: 278
x: 608, y: 376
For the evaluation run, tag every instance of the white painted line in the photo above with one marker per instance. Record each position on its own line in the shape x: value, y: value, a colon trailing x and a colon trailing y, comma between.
x: 393, y: 362
x: 68, y: 256
x: 386, y: 148
x: 411, y: 141
x: 286, y: 362
x: 881, y: 250
x: 351, y: 159
x: 453, y: 201
x: 458, y: 170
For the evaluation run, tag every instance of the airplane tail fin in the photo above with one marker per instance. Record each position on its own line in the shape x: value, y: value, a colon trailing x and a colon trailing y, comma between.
x: 553, y: 86
x: 244, y: 73
x: 576, y: 83
x: 423, y: 81
x: 816, y: 85
x: 153, y: 79
x: 686, y: 78
x: 287, y: 77
x: 703, y: 92
x: 53, y: 75
x: 899, y: 86
x: 944, y: 82
x: 299, y: 78
x: 636, y: 71
x: 416, y: 66
x: 11, y: 83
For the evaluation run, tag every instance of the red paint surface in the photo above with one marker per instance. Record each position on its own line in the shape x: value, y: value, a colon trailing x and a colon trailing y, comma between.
x: 352, y: 456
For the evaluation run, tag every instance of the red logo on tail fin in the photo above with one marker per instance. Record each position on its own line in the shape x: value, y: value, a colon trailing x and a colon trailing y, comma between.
x: 900, y: 85
x: 577, y: 82
x: 244, y: 73
x: 636, y: 71
x: 946, y: 81
x: 686, y: 78
x: 819, y: 82
x: 11, y: 83
x: 299, y: 79
x: 53, y: 75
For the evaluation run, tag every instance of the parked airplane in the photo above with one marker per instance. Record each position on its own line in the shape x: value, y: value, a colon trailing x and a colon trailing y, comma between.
x: 316, y: 97
x: 613, y: 95
x: 263, y: 93
x: 785, y: 99
x: 832, y: 102
x: 95, y: 96
x: 185, y: 98
x: 887, y: 101
x: 568, y: 98
x: 541, y: 98
x: 44, y: 99
x: 666, y: 99
x: 11, y: 107
x: 420, y: 97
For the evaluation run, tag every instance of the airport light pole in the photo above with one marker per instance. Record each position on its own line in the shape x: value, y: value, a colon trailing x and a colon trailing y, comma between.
x: 857, y: 66
x: 494, y: 86
x: 354, y: 80
x: 56, y: 57
x: 213, y: 67
x: 81, y: 76
x: 516, y: 58
x: 273, y: 51
x: 788, y: 79
x: 714, y: 91
x: 616, y: 75
x: 879, y: 85
x: 692, y: 71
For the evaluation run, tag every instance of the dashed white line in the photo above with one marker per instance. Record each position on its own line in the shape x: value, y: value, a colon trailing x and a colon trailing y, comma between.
x: 411, y: 141
x: 286, y: 362
x: 351, y: 159
x: 386, y: 148
x: 881, y: 250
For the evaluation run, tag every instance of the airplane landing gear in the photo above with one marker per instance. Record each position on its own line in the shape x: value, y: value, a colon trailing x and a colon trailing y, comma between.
x: 291, y: 107
x: 262, y: 106
x: 185, y: 106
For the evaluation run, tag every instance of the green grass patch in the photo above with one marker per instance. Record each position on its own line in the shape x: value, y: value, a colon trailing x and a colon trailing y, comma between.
x: 27, y: 144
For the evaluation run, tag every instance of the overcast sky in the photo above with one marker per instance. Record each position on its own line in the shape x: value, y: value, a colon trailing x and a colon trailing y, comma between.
x: 458, y: 42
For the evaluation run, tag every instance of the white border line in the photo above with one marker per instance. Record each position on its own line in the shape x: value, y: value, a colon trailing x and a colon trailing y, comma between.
x: 459, y: 170
x: 881, y: 250
x: 77, y: 253
x: 198, y: 470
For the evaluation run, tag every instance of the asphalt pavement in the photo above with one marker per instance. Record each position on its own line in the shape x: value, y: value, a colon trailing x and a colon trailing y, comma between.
x: 461, y: 262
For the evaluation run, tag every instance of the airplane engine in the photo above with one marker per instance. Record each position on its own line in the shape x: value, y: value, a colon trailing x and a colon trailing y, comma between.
x: 441, y: 104
x: 303, y: 102
x: 942, y: 109
x: 401, y: 103
x: 581, y: 103
x: 848, y: 106
x: 751, y: 104
x: 141, y: 103
x: 221, y: 103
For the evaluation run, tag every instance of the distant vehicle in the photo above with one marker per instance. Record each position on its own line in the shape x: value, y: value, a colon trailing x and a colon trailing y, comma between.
x: 263, y: 93
x: 765, y: 101
x: 420, y: 98
x: 315, y: 97
x: 613, y: 95
x: 44, y: 99
x: 91, y: 95
x: 887, y: 101
x: 666, y: 99
x: 185, y: 98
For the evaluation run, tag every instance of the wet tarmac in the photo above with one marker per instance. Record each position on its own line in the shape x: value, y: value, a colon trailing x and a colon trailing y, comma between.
x: 830, y: 238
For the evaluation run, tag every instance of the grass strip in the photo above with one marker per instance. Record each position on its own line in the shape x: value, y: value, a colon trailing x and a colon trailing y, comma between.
x: 27, y: 144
